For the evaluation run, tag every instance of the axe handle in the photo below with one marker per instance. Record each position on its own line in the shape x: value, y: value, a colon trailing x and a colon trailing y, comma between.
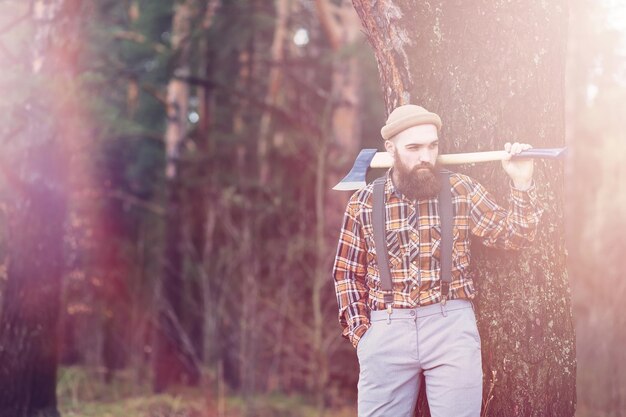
x: 468, y: 158
x: 384, y: 159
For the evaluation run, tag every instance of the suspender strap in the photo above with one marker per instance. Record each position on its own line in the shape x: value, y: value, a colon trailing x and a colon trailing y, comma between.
x: 447, y: 221
x: 380, y: 239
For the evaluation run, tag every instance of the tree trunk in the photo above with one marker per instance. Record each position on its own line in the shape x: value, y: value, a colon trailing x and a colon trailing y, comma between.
x: 174, y: 362
x: 28, y: 336
x: 273, y: 90
x: 132, y: 91
x: 35, y: 226
x: 340, y: 24
x: 202, y: 214
x: 336, y: 146
x: 249, y: 268
x: 494, y: 71
x: 341, y: 27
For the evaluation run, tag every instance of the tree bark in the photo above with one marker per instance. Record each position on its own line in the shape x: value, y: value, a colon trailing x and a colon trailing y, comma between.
x: 174, y: 362
x: 201, y: 210
x: 35, y: 223
x: 249, y: 268
x: 341, y: 26
x: 273, y: 89
x: 494, y: 72
x: 29, y: 334
x: 337, y: 144
x: 342, y: 30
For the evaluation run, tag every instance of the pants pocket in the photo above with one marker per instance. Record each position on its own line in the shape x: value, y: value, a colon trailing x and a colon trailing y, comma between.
x: 473, y: 326
x: 363, y: 340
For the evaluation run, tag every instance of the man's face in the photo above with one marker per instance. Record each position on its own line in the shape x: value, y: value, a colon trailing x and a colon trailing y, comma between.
x: 415, y: 152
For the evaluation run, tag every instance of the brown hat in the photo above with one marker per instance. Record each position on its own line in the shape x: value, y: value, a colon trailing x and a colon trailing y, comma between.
x: 406, y: 116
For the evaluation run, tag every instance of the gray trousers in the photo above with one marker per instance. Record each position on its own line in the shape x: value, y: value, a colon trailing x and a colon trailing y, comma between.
x: 443, y: 345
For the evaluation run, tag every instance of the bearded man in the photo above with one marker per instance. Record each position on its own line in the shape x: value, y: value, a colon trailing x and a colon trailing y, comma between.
x: 420, y: 328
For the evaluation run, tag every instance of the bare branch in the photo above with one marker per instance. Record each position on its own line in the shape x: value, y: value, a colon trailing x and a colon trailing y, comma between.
x: 329, y: 25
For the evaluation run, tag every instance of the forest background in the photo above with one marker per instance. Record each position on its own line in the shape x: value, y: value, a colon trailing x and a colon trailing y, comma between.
x: 165, y: 213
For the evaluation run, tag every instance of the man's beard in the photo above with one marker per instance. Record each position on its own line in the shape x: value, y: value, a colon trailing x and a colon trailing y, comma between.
x: 416, y: 183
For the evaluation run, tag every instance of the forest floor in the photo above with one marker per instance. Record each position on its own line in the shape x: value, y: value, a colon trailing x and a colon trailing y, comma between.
x: 83, y: 393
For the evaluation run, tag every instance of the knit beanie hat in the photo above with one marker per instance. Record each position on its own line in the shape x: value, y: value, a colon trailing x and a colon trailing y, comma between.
x: 406, y: 116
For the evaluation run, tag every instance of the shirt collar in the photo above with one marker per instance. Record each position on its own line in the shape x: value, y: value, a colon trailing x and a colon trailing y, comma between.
x: 391, y: 189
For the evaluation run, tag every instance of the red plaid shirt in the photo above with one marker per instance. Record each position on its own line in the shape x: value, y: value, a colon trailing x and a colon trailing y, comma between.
x: 413, y: 239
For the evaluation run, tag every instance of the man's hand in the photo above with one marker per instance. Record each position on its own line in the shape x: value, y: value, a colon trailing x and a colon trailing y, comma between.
x: 519, y: 170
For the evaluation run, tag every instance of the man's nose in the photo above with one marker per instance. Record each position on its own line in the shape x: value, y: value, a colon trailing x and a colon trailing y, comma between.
x: 424, y: 155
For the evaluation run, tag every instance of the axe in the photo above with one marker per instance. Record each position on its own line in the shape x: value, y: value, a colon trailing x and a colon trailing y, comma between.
x: 371, y: 158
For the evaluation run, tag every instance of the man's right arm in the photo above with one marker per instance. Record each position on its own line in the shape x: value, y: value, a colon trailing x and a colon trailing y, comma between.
x: 349, y: 272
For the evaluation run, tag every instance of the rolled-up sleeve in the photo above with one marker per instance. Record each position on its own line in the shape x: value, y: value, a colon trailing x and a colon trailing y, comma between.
x: 511, y: 229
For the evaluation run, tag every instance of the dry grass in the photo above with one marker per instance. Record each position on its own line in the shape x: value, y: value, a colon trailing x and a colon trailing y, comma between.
x: 82, y: 393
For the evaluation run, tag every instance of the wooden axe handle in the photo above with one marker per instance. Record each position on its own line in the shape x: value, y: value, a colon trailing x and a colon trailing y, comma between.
x: 384, y: 159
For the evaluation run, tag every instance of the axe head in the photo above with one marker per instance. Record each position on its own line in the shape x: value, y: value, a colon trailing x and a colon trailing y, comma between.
x: 355, y: 180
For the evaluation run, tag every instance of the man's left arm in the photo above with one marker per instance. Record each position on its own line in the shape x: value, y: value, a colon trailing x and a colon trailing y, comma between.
x: 517, y: 226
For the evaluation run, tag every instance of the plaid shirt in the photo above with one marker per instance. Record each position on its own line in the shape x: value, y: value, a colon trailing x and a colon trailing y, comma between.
x: 413, y: 238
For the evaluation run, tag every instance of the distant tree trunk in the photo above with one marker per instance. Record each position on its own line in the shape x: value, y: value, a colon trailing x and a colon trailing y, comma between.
x: 267, y: 138
x: 596, y: 217
x: 494, y: 71
x: 132, y: 91
x: 114, y: 292
x: 341, y: 26
x: 273, y: 90
x: 28, y: 334
x: 249, y: 260
x: 338, y: 143
x: 174, y: 360
x: 205, y: 211
x: 197, y: 197
x: 35, y: 227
